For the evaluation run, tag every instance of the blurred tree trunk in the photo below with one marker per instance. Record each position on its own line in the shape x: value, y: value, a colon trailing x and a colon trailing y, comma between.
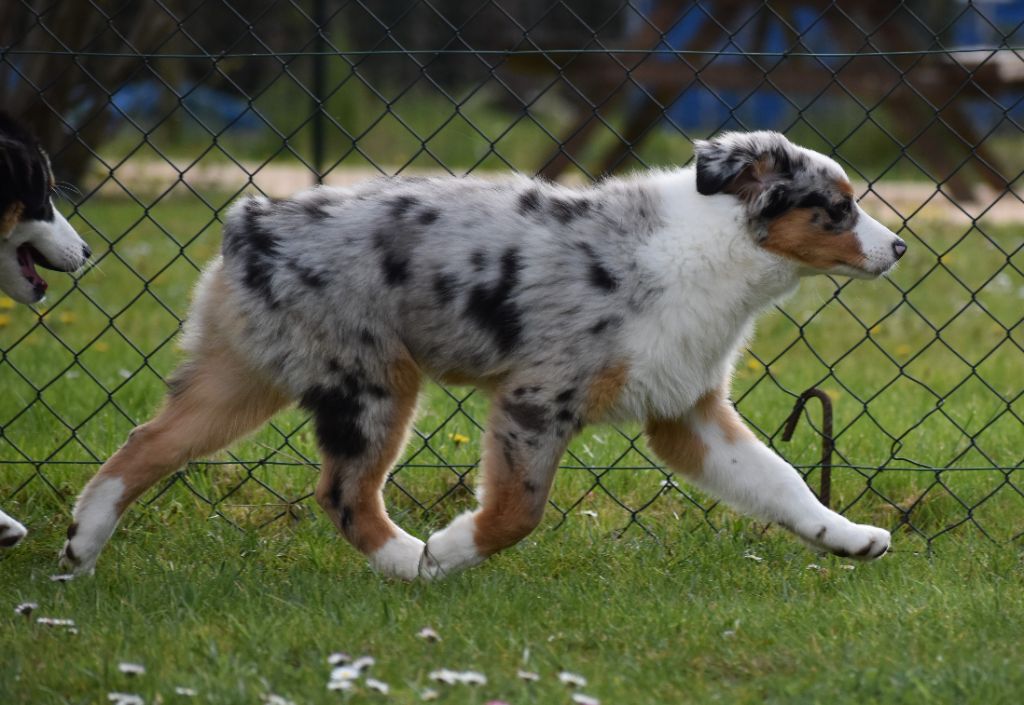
x: 66, y: 98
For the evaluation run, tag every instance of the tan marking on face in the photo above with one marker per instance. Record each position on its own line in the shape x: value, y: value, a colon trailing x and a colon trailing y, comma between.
x: 605, y: 390
x: 371, y: 527
x: 844, y: 187
x: 795, y: 236
x: 10, y: 218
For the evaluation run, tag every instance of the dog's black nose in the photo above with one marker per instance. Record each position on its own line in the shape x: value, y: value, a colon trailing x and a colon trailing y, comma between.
x: 898, y: 248
x: 86, y: 252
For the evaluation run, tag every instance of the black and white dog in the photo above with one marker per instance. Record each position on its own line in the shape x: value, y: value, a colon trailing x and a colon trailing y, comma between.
x: 32, y: 232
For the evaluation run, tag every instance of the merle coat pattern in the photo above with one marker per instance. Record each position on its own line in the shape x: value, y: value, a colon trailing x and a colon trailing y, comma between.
x: 625, y: 300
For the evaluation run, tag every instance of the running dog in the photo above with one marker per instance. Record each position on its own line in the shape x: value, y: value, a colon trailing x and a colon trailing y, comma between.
x: 32, y: 232
x: 627, y: 300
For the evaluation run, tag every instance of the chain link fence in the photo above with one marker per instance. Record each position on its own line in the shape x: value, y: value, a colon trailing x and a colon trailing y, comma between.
x: 158, y: 113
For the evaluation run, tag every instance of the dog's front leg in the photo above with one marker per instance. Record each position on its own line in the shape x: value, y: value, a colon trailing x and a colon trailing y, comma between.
x: 11, y: 532
x: 717, y: 453
x: 522, y: 447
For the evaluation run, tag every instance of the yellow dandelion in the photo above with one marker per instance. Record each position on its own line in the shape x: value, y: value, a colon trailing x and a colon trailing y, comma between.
x: 6, y: 303
x: 754, y: 364
x: 458, y: 439
x: 903, y: 350
x: 66, y: 317
x: 5, y: 320
x: 100, y: 346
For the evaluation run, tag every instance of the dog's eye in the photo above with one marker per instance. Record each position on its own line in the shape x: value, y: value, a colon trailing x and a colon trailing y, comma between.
x: 839, y: 211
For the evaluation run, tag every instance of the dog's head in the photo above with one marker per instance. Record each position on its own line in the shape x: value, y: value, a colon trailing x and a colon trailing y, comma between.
x: 32, y: 231
x: 799, y: 203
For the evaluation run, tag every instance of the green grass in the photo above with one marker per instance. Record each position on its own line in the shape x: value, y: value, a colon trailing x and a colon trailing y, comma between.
x: 924, y: 373
x: 687, y: 619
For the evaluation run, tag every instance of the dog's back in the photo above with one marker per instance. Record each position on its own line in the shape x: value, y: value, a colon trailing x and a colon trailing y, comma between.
x: 471, y: 277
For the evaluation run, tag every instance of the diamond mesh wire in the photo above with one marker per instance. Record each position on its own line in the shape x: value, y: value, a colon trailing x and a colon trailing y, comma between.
x: 161, y: 112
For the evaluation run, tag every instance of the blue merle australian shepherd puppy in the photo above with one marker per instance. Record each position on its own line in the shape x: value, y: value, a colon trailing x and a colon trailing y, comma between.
x: 628, y: 300
x: 32, y: 234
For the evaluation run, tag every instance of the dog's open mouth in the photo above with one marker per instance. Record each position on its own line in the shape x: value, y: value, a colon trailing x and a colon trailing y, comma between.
x: 28, y: 258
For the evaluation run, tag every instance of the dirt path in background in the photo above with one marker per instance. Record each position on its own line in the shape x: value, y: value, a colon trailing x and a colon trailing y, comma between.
x: 889, y: 200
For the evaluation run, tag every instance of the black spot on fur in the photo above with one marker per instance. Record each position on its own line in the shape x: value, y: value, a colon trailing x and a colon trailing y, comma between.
x: 565, y: 395
x: 396, y: 268
x: 445, y: 286
x: 347, y: 515
x: 530, y: 487
x: 529, y: 201
x: 597, y: 274
x: 308, y: 276
x: 529, y: 417
x: 565, y: 415
x: 603, y: 324
x: 367, y: 337
x: 336, y: 415
x: 565, y: 211
x: 493, y: 309
x: 401, y: 205
x: 479, y: 260
x: 428, y: 216
x: 778, y: 201
x: 257, y: 247
x: 601, y: 278
x: 69, y: 553
x: 333, y: 365
x: 72, y: 530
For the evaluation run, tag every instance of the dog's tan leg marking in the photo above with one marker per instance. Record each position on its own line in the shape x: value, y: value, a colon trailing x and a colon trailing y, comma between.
x: 350, y: 489
x: 524, y: 442
x: 718, y: 453
x: 604, y: 392
x: 214, y: 399
x: 678, y: 441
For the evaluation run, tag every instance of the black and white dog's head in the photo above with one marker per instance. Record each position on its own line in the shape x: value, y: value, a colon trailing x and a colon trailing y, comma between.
x: 32, y: 231
x: 799, y: 204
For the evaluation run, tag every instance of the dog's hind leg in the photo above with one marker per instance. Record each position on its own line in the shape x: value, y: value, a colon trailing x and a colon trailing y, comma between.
x: 525, y: 440
x: 362, y: 425
x: 712, y: 448
x: 214, y: 399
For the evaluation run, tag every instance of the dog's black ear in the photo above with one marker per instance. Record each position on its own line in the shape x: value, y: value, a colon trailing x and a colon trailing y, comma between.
x: 754, y: 166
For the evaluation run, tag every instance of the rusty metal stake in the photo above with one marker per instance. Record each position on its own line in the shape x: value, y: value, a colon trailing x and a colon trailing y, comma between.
x: 827, y: 443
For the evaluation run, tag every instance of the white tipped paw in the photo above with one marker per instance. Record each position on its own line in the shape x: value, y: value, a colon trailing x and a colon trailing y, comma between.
x: 11, y: 531
x: 451, y: 549
x: 849, y: 540
x: 79, y: 554
x: 399, y: 557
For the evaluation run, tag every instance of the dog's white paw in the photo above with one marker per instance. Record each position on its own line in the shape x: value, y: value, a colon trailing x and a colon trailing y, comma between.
x: 95, y: 518
x: 399, y: 557
x: 849, y: 540
x: 11, y: 531
x: 79, y: 554
x: 451, y: 549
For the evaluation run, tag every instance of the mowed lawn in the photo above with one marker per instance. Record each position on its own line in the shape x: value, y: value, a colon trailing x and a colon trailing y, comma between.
x: 232, y: 583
